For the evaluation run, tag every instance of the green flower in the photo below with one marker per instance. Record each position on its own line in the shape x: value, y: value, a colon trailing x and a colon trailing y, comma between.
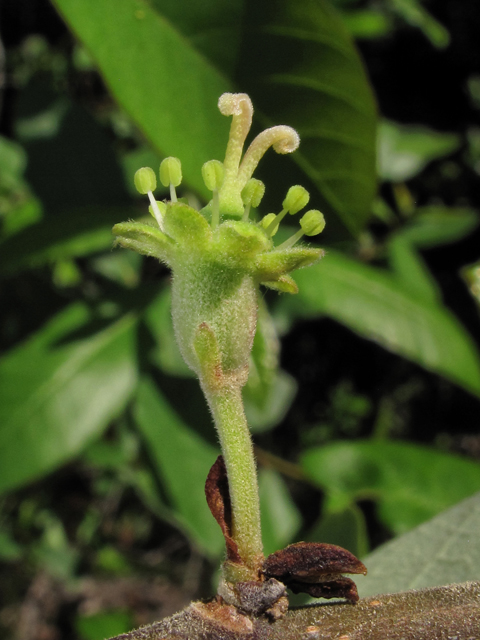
x: 219, y: 256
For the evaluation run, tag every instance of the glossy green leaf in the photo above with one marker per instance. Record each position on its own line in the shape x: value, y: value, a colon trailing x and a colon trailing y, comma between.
x: 212, y: 27
x: 443, y: 550
x: 411, y: 483
x: 374, y: 303
x: 280, y: 517
x: 59, y: 390
x: 403, y: 151
x: 301, y: 69
x: 158, y: 77
x: 182, y: 460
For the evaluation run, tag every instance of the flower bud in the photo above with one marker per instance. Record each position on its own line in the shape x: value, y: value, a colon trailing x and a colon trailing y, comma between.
x: 212, y: 173
x: 253, y: 193
x: 170, y: 172
x: 312, y: 222
x: 297, y: 197
x: 145, y: 180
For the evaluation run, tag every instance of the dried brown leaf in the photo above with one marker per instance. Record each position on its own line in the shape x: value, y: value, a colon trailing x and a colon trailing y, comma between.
x: 218, y: 500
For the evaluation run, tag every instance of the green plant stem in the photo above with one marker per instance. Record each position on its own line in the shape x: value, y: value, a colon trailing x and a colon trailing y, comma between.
x: 229, y: 416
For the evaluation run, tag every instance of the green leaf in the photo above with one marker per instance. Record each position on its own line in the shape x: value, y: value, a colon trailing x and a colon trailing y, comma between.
x: 373, y: 303
x: 158, y: 77
x: 13, y: 161
x: 443, y: 550
x: 302, y: 69
x: 346, y: 528
x: 58, y: 391
x: 403, y: 151
x: 411, y: 483
x: 182, y: 459
x: 414, y: 13
x: 436, y: 225
x: 411, y: 270
x: 280, y: 517
x: 79, y: 232
x: 103, y: 624
x: 211, y: 26
x: 367, y: 23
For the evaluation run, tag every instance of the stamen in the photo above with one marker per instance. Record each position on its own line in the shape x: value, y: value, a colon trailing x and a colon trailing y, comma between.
x: 171, y: 175
x: 146, y: 183
x: 266, y: 221
x: 156, y: 211
x: 312, y: 223
x: 297, y: 197
x: 213, y: 175
x: 284, y: 139
x: 252, y: 195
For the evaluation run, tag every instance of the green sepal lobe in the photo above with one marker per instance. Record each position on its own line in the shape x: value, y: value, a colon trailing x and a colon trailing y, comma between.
x: 241, y: 242
x: 283, y: 284
x: 186, y: 225
x: 145, y: 239
x: 269, y: 266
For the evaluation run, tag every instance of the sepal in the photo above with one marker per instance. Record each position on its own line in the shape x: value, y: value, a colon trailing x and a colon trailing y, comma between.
x: 284, y: 284
x: 144, y: 239
x: 186, y: 226
x: 239, y: 243
x: 275, y: 263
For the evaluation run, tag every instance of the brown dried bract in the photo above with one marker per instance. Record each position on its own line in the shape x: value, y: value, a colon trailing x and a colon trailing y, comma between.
x: 315, y: 568
x: 218, y: 500
x: 337, y: 588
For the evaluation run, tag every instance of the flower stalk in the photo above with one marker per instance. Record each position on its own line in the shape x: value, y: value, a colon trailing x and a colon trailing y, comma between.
x: 219, y: 257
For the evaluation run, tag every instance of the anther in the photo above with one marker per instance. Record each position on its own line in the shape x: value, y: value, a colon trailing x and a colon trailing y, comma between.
x: 312, y: 223
x: 171, y: 175
x: 146, y: 183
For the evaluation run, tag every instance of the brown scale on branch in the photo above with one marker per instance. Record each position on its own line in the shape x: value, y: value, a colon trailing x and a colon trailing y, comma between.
x: 315, y: 568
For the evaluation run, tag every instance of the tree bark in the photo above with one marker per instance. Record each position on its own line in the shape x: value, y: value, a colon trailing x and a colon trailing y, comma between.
x: 439, y: 613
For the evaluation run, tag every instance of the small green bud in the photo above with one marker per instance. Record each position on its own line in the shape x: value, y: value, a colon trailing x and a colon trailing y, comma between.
x: 145, y: 180
x: 171, y: 172
x: 162, y: 207
x: 212, y: 173
x: 297, y: 197
x: 253, y: 193
x: 267, y: 220
x: 312, y: 222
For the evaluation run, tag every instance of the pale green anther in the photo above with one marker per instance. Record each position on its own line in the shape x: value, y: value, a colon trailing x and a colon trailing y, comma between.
x: 212, y: 174
x: 253, y: 192
x: 171, y: 172
x: 297, y: 197
x: 312, y: 223
x: 161, y: 206
x: 145, y: 180
x: 267, y: 220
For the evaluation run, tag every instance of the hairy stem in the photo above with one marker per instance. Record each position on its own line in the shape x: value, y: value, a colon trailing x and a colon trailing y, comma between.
x: 227, y: 408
